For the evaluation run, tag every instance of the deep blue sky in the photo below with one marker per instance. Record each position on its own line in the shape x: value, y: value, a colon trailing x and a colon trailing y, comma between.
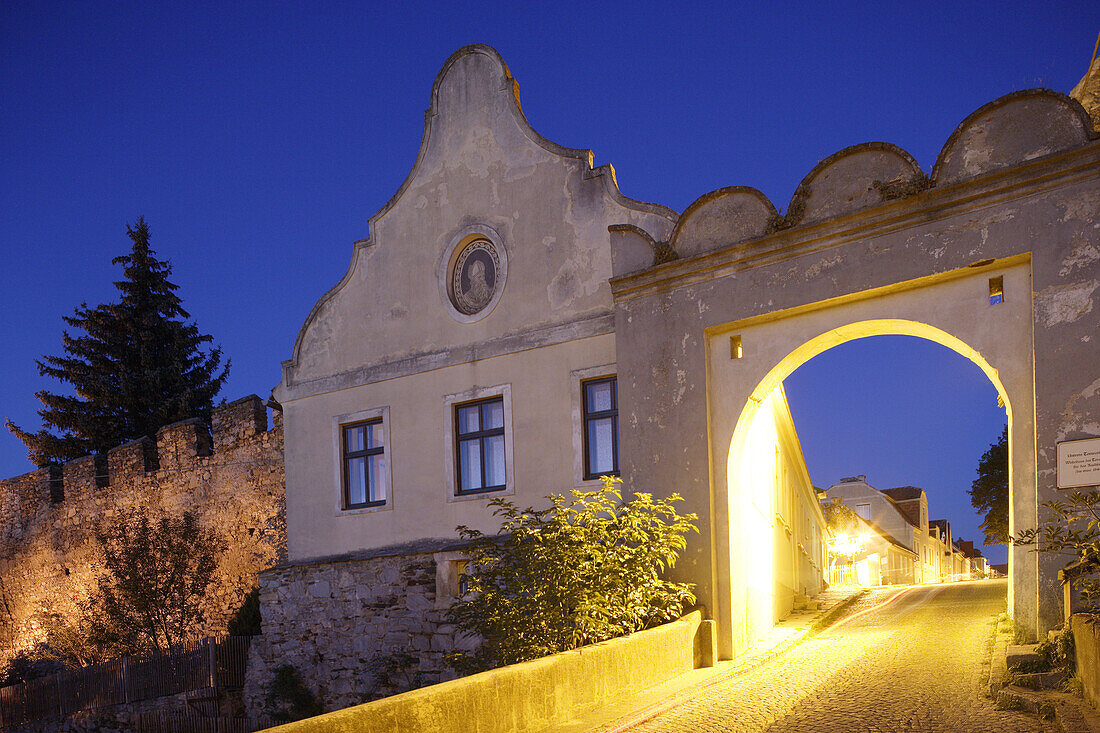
x: 257, y: 138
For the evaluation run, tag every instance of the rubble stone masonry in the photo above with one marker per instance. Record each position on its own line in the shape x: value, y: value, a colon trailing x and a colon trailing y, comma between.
x: 357, y: 629
x: 231, y: 478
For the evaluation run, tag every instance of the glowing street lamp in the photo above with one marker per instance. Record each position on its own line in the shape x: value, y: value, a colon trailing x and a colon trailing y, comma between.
x: 848, y: 544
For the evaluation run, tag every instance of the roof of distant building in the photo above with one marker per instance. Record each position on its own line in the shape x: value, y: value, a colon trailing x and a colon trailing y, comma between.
x: 887, y: 536
x: 903, y: 493
x: 967, y: 548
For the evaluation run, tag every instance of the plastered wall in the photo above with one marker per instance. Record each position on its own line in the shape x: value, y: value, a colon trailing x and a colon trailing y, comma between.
x: 389, y: 336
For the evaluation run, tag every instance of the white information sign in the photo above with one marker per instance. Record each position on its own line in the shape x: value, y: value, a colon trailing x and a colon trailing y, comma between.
x: 1079, y: 463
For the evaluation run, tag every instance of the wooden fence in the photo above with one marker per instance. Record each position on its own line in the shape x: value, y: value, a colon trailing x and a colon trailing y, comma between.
x: 214, y: 663
x: 190, y: 723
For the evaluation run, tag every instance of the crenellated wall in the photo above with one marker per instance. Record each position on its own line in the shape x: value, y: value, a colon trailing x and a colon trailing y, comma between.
x: 231, y: 477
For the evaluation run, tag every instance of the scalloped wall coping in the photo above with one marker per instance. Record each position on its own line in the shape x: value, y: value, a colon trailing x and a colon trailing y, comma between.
x: 850, y: 180
x: 725, y: 216
x: 1015, y: 128
x: 1006, y: 132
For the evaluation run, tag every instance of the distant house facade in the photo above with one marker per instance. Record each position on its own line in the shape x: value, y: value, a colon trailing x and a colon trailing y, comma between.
x: 785, y: 516
x: 900, y: 515
x: 881, y: 560
x: 978, y: 565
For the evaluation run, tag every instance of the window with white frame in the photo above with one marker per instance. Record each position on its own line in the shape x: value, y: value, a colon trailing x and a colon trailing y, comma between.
x: 600, y: 407
x: 594, y: 413
x: 480, y: 463
x: 361, y: 452
x: 864, y: 510
x: 364, y: 464
x: 477, y: 440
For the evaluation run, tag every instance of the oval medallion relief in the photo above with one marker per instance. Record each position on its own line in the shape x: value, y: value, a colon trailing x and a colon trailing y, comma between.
x: 473, y: 270
x: 474, y: 277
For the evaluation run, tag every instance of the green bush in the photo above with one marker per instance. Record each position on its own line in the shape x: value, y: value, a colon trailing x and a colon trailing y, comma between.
x: 1057, y: 653
x: 586, y: 569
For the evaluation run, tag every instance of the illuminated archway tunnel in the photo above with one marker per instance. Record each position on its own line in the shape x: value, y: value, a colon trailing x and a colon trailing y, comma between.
x: 761, y: 455
x: 747, y: 364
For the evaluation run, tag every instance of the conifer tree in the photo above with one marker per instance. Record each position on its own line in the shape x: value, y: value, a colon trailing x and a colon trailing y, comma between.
x: 138, y: 365
x: 989, y: 492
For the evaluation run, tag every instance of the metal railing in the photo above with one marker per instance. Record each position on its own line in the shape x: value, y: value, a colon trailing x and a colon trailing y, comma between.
x: 213, y: 663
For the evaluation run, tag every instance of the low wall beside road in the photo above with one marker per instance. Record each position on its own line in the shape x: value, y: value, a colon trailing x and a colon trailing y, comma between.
x: 535, y: 695
x: 1086, y: 642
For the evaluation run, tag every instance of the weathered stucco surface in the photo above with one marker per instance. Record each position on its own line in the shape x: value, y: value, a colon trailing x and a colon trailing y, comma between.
x: 422, y: 501
x: 1014, y: 194
x: 386, y: 336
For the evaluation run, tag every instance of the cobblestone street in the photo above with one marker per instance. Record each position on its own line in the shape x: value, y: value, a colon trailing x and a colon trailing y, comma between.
x: 909, y: 660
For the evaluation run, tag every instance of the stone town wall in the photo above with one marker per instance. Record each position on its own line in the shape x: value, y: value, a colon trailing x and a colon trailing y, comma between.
x: 231, y: 477
x: 357, y: 629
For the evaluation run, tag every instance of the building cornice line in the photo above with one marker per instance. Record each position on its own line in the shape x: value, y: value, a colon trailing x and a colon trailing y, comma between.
x: 594, y: 325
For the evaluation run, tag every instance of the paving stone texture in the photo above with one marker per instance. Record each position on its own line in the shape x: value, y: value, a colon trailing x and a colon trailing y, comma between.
x: 915, y: 663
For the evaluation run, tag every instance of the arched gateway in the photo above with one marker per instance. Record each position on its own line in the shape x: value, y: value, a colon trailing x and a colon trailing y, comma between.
x: 995, y: 255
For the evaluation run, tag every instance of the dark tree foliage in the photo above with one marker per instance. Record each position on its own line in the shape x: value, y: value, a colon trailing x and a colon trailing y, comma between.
x: 137, y: 366
x: 25, y: 667
x: 247, y: 620
x: 989, y: 492
x: 157, y: 574
x: 840, y: 519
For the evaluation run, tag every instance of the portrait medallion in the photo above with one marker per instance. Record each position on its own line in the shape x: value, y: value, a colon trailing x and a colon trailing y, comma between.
x: 474, y: 277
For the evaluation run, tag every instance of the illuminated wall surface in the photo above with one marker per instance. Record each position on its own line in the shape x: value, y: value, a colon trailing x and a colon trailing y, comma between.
x: 782, y: 526
x: 231, y: 478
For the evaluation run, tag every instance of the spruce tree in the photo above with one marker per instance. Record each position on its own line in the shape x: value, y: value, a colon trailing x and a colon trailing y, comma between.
x: 138, y: 365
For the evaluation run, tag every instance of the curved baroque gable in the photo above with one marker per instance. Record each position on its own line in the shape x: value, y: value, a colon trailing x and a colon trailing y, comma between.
x: 480, y: 164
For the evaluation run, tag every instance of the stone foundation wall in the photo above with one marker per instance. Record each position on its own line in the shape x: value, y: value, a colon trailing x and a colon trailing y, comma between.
x: 233, y: 480
x: 356, y: 629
